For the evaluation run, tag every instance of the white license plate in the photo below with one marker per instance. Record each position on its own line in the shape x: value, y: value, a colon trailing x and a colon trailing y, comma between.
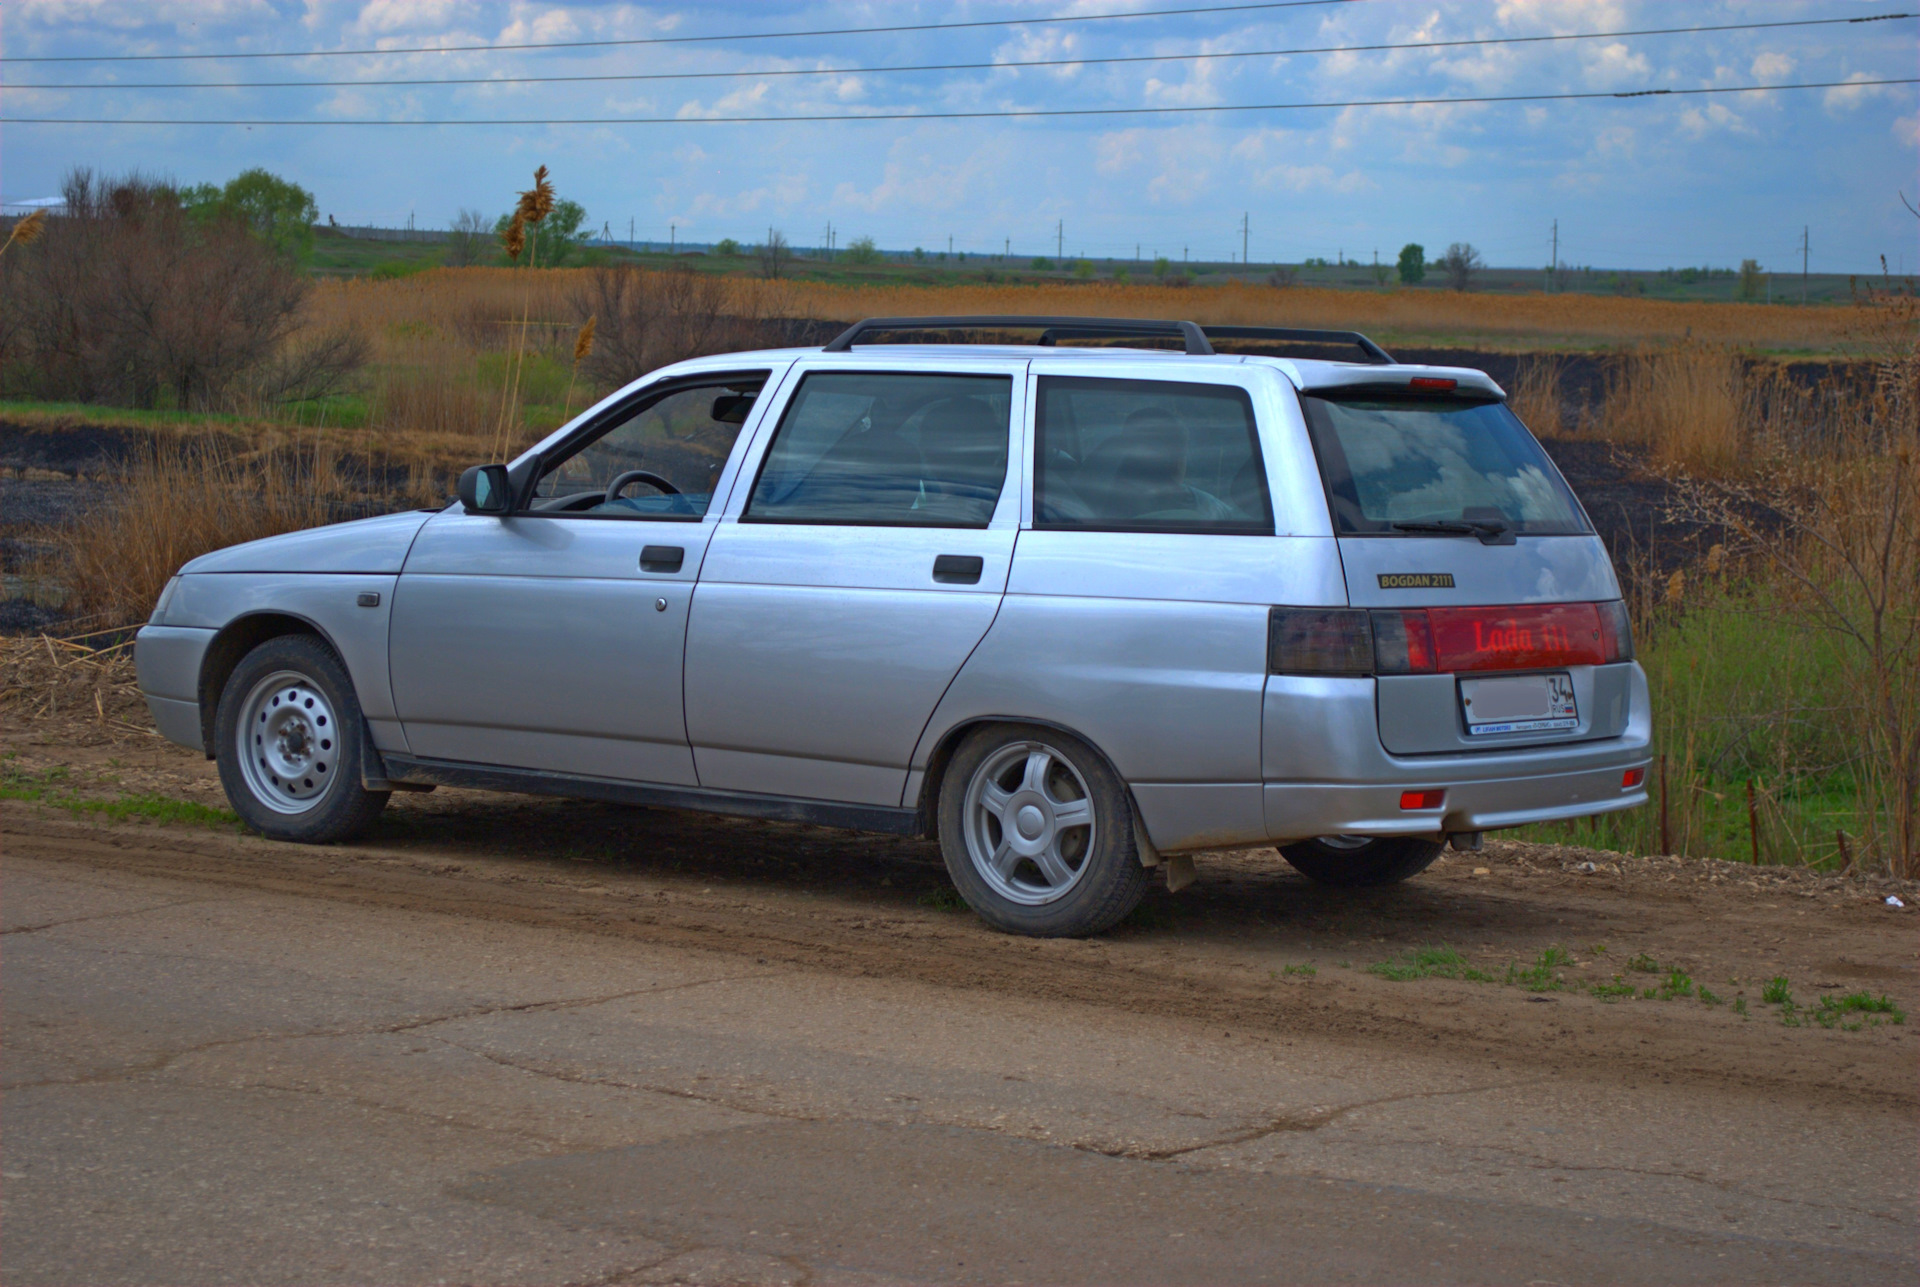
x: 1519, y: 704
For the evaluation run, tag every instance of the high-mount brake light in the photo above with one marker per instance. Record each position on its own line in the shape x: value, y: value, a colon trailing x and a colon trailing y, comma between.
x: 1433, y: 383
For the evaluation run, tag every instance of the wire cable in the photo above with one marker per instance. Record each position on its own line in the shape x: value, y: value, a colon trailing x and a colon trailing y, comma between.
x: 977, y: 66
x: 1008, y: 114
x: 682, y: 40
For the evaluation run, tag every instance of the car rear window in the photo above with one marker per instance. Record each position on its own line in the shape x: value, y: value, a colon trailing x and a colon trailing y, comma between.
x: 1394, y: 462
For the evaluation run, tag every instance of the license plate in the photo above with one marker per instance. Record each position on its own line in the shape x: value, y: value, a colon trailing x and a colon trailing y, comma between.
x: 1519, y: 704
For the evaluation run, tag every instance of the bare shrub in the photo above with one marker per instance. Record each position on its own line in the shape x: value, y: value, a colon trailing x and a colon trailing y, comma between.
x: 774, y: 255
x: 1688, y: 405
x: 1460, y: 263
x: 470, y: 239
x: 130, y: 299
x: 648, y: 320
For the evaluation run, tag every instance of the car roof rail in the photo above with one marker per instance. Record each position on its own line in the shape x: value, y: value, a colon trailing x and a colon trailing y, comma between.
x: 1051, y: 328
x: 1375, y: 354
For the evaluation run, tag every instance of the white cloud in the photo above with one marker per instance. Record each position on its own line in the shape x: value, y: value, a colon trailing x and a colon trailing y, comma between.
x: 404, y: 15
x: 1907, y: 130
x: 1701, y: 121
x: 1845, y: 98
x: 1771, y: 66
x: 1615, y: 64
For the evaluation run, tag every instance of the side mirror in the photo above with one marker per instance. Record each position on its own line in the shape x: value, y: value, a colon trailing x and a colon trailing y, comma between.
x: 484, y: 489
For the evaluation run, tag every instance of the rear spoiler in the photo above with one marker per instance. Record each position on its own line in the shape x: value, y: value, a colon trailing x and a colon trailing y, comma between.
x: 1396, y: 381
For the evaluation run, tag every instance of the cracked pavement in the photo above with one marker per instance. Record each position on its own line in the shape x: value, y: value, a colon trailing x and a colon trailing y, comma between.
x: 283, y: 1078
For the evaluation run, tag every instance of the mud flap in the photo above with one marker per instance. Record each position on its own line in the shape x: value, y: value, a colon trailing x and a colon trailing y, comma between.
x: 1180, y: 870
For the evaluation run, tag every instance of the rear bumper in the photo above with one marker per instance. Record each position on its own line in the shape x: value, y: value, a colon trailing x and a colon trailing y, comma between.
x: 1296, y: 812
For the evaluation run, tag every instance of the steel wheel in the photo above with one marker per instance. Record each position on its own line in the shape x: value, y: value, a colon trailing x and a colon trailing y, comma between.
x: 286, y: 741
x: 1029, y: 826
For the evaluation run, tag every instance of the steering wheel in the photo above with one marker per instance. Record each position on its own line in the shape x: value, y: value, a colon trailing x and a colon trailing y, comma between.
x: 646, y: 476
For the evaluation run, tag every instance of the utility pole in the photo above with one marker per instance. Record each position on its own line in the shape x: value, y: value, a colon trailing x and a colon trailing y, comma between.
x: 1060, y: 239
x: 1553, y: 262
x: 1136, y: 252
x: 949, y: 245
x: 1006, y: 249
x: 1243, y: 239
x: 672, y: 231
x: 1803, y: 262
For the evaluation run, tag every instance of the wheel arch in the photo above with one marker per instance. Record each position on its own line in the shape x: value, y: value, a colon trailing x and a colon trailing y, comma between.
x: 234, y: 641
x: 931, y: 781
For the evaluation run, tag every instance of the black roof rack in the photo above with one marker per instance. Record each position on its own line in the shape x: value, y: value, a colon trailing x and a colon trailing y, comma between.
x: 1286, y: 334
x: 1053, y: 329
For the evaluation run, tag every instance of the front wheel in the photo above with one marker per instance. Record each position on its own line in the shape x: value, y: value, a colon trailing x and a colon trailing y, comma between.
x: 289, y: 734
x: 1350, y: 862
x: 1037, y: 833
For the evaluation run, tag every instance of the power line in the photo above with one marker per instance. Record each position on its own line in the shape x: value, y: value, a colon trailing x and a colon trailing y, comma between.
x: 1011, y: 114
x: 682, y: 40
x: 974, y: 66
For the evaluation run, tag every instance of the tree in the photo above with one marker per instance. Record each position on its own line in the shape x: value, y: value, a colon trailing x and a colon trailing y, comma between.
x: 555, y: 237
x: 467, y: 239
x: 1160, y: 265
x: 1042, y: 264
x: 1752, y: 284
x: 1460, y: 263
x: 726, y: 246
x: 1083, y: 269
x: 773, y: 256
x: 277, y: 212
x: 861, y: 250
x: 1413, y: 264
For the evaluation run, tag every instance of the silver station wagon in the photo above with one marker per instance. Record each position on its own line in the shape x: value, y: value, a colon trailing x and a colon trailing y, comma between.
x: 1075, y: 609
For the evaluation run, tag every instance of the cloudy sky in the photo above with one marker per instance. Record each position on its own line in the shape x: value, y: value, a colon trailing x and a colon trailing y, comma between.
x: 1641, y: 182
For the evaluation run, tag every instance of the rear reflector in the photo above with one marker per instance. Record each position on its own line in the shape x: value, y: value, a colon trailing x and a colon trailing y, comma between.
x: 1433, y: 382
x: 1422, y: 799
x: 1426, y: 641
x: 1632, y: 778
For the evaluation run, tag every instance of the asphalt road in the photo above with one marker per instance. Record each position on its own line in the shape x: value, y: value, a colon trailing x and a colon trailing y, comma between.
x: 217, y: 1082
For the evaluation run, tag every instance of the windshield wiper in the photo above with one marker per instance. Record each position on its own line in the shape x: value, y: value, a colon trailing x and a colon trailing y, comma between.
x: 1491, y: 531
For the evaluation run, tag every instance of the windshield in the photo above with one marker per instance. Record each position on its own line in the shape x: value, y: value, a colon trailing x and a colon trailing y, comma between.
x: 1395, y: 465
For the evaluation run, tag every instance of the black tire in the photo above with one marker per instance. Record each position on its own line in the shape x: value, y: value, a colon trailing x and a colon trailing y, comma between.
x: 1104, y: 878
x: 321, y: 740
x: 1382, y: 860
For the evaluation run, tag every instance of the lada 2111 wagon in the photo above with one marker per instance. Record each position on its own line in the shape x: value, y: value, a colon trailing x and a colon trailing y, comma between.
x: 1076, y: 611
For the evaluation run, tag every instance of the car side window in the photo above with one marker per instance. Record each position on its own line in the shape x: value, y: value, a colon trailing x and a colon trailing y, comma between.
x: 895, y: 449
x: 660, y: 462
x: 1148, y: 456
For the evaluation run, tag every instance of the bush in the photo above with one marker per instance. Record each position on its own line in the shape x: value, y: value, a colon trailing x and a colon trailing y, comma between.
x: 647, y: 320
x: 1042, y: 264
x: 276, y: 211
x: 1460, y: 263
x: 1083, y: 269
x: 554, y: 238
x: 133, y: 299
x: 861, y: 250
x: 467, y: 240
x: 726, y: 246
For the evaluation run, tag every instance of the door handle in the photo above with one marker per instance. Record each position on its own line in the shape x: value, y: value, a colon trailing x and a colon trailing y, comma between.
x: 662, y: 558
x: 959, y: 569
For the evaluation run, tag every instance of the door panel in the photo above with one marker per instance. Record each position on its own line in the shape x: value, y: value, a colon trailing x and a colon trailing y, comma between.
x: 541, y: 643
x: 815, y: 654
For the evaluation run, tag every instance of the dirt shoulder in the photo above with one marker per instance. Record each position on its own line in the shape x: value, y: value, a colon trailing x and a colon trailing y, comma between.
x: 1551, y: 956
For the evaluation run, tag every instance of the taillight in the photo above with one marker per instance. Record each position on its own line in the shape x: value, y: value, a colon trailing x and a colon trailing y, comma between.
x: 1319, y: 641
x: 1531, y: 637
x: 1402, y: 642
x: 1616, y: 631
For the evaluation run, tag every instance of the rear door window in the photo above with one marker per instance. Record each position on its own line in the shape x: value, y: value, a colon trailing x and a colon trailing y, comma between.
x: 1148, y: 456
x: 892, y: 449
x: 1394, y: 466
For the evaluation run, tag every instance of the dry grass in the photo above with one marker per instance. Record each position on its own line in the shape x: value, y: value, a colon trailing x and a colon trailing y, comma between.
x: 1507, y: 321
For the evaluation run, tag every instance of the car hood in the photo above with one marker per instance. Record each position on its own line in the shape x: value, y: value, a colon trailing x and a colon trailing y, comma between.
x: 364, y: 545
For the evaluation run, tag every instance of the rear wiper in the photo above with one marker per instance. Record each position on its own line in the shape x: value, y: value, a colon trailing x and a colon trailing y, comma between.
x: 1491, y: 531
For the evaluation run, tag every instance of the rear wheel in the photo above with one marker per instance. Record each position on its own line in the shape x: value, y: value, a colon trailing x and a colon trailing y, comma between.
x: 1355, y: 861
x: 289, y: 734
x: 1037, y: 833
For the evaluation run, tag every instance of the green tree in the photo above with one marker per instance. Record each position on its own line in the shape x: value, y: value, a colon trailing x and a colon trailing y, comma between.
x: 276, y: 211
x: 1752, y: 280
x: 1413, y: 264
x: 1160, y: 265
x: 861, y: 250
x: 1083, y: 269
x: 726, y: 246
x: 1042, y: 264
x: 555, y: 237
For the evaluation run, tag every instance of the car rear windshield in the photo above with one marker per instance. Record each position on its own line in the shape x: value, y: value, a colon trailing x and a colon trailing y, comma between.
x: 1393, y: 465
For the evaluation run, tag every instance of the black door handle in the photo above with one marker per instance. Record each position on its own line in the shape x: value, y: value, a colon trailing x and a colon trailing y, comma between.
x: 959, y: 569
x: 662, y: 558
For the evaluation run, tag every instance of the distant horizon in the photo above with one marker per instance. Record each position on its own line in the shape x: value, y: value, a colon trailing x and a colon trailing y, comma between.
x: 1635, y: 184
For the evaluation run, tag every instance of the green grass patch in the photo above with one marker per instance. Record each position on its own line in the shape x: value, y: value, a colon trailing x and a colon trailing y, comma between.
x: 1544, y: 974
x: 45, y: 788
x: 943, y: 899
x: 1857, y: 1010
x: 1777, y: 991
x: 1437, y: 962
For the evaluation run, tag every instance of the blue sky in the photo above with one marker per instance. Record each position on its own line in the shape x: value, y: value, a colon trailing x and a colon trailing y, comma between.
x: 1644, y: 183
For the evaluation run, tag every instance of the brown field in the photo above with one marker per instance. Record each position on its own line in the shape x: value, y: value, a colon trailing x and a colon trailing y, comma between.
x: 1523, y: 322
